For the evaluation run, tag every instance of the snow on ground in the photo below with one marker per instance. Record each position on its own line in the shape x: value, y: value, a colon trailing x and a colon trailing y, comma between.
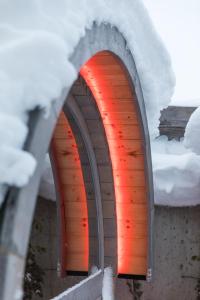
x: 36, y: 42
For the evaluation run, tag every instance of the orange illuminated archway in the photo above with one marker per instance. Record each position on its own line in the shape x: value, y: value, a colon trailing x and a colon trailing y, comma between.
x: 113, y: 92
x: 72, y: 194
x: 109, y: 82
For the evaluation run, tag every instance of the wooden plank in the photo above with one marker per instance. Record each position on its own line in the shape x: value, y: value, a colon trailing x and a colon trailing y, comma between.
x: 119, y: 118
x: 71, y: 176
x: 128, y: 162
x: 68, y: 161
x: 76, y: 210
x: 92, y: 77
x: 68, y: 158
x: 85, y: 101
x: 107, y: 191
x: 122, y: 131
x: 136, y: 247
x: 115, y: 130
x: 105, y: 173
x: 134, y: 195
x: 108, y: 80
x: 102, y: 156
x: 76, y: 227
x: 132, y: 229
x: 98, y: 141
x: 128, y: 212
x: 75, y: 176
x: 89, y: 112
x: 76, y: 262
x: 110, y: 246
x: 109, y: 209
x: 130, y: 178
x: 95, y: 126
x: 71, y: 193
x: 75, y: 245
x: 118, y: 93
x: 101, y: 60
x: 66, y: 143
x: 108, y: 83
x: 63, y: 131
x: 62, y: 119
x: 133, y: 265
x: 131, y: 146
x: 109, y: 93
x: 106, y: 68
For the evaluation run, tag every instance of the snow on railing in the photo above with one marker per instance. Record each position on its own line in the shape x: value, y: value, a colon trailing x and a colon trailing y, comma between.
x: 99, y: 284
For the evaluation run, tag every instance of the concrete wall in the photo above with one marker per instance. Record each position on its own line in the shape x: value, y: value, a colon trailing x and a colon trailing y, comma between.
x: 44, y: 234
x: 177, y: 255
x: 177, y: 249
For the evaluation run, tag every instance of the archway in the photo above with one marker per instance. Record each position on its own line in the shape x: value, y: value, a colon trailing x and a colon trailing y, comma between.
x: 104, y: 82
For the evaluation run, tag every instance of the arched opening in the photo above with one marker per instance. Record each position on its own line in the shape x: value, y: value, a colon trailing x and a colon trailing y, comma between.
x: 111, y: 77
x: 117, y: 102
x: 107, y: 106
x: 72, y: 198
x: 92, y: 154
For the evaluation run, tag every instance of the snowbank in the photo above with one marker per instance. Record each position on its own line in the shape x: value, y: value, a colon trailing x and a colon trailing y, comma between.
x: 192, y: 132
x: 37, y: 38
x: 176, y: 172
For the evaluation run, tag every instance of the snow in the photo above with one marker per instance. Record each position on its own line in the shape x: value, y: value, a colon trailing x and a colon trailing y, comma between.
x: 18, y: 294
x: 47, y: 186
x: 36, y: 41
x: 16, y: 165
x: 176, y: 172
x: 192, y: 132
x: 108, y: 289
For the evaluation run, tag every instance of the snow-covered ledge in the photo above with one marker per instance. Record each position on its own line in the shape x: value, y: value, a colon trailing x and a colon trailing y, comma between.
x: 176, y: 167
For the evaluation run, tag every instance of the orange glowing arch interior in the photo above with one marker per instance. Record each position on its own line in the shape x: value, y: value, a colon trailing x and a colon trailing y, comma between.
x: 116, y: 100
x: 108, y: 80
x: 74, y: 238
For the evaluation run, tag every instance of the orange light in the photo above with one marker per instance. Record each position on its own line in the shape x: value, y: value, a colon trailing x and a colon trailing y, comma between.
x: 107, y: 79
x: 74, y: 217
